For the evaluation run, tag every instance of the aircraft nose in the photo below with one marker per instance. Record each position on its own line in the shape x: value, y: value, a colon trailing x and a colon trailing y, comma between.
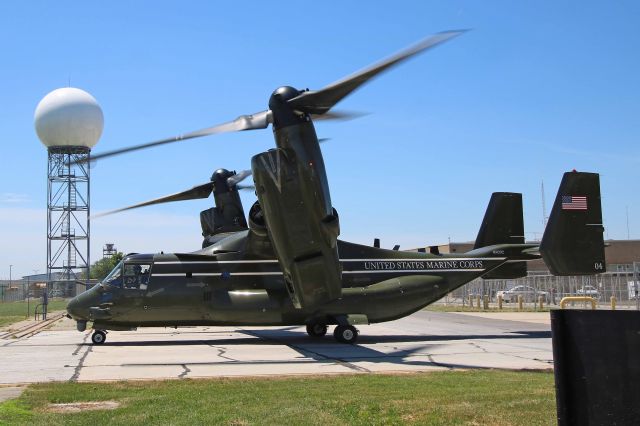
x: 75, y: 309
x: 78, y: 307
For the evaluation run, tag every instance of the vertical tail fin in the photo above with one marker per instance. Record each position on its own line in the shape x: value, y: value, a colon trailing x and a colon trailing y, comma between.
x: 503, y: 224
x: 573, y: 243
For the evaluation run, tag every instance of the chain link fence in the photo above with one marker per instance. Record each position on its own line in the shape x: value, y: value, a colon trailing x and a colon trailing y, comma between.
x: 21, y: 290
x: 552, y: 288
x: 13, y: 292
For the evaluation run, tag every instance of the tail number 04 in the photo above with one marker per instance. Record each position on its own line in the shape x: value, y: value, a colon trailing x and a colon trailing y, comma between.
x: 598, y: 266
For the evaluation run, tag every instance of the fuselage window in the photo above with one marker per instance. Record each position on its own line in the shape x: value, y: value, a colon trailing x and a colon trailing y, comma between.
x: 136, y: 275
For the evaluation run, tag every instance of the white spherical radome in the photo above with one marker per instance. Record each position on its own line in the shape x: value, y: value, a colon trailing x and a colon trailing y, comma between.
x: 69, y: 117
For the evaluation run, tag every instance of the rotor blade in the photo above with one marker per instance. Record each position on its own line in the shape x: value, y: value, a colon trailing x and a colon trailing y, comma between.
x: 200, y: 191
x: 238, y: 177
x: 246, y: 187
x: 245, y: 122
x: 321, y: 101
x: 338, y: 115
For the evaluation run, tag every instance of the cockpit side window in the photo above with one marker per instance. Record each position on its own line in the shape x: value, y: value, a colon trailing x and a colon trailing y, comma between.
x: 136, y: 275
x: 114, y: 278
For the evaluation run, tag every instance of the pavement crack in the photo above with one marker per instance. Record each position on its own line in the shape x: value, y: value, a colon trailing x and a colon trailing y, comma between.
x: 185, y: 372
x: 221, y: 352
x: 439, y: 364
x: 78, y: 368
x: 80, y: 345
x: 351, y: 366
x: 475, y: 345
x: 545, y: 361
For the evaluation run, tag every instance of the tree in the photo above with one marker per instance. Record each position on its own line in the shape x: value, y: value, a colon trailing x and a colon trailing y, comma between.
x: 101, y: 268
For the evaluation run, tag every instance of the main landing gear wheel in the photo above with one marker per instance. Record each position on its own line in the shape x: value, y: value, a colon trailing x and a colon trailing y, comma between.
x: 316, y: 330
x: 98, y: 337
x: 345, y: 334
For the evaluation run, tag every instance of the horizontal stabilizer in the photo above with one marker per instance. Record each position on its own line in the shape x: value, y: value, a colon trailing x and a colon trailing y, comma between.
x: 573, y: 243
x: 508, y: 271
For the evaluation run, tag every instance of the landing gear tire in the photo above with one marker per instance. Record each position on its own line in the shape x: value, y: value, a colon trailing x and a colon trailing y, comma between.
x: 98, y: 337
x: 316, y: 330
x: 345, y: 334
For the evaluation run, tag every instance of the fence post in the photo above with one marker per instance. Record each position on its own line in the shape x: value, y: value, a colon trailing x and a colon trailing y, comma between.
x: 613, y: 303
x: 520, y: 302
x: 541, y: 302
x: 486, y: 302
x: 478, y: 301
x: 500, y: 301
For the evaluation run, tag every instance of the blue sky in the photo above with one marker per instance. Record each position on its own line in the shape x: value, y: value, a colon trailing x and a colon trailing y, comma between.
x: 534, y: 90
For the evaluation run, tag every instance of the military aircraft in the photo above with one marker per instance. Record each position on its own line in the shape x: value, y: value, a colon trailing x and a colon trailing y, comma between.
x: 289, y: 268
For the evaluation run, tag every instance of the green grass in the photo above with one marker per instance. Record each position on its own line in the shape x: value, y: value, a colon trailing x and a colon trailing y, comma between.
x: 447, y: 398
x: 11, y: 312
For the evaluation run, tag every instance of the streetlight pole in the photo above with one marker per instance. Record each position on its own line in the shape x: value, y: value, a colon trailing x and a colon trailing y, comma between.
x: 10, y: 280
x: 28, y: 285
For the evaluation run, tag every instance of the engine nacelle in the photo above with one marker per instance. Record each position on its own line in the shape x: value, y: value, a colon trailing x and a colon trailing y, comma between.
x: 302, y: 226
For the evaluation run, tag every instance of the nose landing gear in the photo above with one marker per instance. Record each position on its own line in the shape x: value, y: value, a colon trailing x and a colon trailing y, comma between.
x: 98, y: 337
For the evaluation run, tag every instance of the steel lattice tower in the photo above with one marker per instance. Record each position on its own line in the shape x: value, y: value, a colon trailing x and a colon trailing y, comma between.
x: 68, y: 224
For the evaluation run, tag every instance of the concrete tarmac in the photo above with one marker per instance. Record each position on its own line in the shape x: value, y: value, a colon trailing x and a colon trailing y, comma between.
x: 421, y: 342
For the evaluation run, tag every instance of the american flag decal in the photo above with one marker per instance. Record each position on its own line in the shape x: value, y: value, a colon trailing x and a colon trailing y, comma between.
x: 573, y: 202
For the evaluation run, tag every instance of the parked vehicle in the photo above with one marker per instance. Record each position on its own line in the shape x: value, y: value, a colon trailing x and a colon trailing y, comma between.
x: 529, y: 294
x: 589, y: 290
x: 56, y: 293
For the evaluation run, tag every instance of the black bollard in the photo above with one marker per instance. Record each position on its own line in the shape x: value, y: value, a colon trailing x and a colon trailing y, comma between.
x: 596, y: 357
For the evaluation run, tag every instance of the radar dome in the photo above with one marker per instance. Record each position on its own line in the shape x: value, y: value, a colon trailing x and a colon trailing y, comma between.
x: 69, y: 117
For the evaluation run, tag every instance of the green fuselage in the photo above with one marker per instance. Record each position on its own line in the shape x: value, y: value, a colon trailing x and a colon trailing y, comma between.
x: 227, y: 285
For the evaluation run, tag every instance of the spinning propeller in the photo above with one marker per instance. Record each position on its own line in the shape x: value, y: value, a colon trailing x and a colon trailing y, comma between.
x: 221, y: 180
x: 316, y: 103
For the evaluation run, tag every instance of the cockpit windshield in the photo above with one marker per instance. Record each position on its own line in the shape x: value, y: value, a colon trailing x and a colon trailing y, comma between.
x: 115, y: 276
x: 129, y: 276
